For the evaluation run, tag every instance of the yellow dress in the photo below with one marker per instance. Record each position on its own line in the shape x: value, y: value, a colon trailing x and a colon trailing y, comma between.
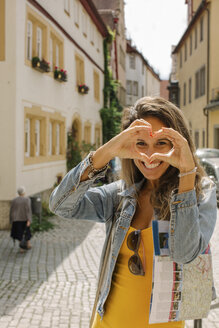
x: 128, y: 303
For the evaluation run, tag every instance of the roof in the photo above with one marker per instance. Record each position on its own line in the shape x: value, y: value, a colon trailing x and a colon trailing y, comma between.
x: 198, y: 13
x: 131, y: 49
x: 95, y: 16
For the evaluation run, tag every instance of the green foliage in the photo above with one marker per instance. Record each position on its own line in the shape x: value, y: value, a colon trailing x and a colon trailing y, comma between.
x: 76, y: 152
x: 111, y: 112
x: 45, y: 210
x: 45, y: 224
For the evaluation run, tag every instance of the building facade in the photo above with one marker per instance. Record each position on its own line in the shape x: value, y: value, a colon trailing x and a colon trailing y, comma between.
x: 141, y: 79
x: 197, y: 78
x: 52, y: 75
x: 112, y: 13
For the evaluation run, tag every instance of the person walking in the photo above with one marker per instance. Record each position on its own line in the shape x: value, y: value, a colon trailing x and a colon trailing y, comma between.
x: 161, y: 180
x: 21, y: 217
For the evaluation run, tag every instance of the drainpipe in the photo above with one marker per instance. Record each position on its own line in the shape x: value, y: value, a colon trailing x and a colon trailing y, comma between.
x: 205, y: 110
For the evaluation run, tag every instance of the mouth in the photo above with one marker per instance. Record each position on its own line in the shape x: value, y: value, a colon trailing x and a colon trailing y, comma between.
x: 151, y: 166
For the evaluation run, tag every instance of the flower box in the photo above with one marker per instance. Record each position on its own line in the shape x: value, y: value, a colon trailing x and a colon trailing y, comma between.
x: 60, y: 75
x: 40, y: 65
x: 83, y: 89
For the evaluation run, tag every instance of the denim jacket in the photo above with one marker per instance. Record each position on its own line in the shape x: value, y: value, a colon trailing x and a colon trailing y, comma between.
x: 192, y: 221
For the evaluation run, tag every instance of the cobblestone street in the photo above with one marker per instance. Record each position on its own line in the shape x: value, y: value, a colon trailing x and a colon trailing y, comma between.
x: 53, y: 284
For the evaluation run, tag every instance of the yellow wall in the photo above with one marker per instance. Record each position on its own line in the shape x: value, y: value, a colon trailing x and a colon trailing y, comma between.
x: 2, y: 30
x: 195, y: 61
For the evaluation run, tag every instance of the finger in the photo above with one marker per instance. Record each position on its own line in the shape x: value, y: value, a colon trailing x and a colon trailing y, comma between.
x: 139, y: 129
x: 141, y: 122
x: 171, y: 134
x: 162, y: 157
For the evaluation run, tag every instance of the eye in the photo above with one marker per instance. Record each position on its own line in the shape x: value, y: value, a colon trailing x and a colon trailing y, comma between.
x: 161, y: 143
x: 141, y: 143
x: 164, y: 142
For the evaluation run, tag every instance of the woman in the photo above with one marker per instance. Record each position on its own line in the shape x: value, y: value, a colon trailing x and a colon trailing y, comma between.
x: 21, y: 217
x: 162, y: 180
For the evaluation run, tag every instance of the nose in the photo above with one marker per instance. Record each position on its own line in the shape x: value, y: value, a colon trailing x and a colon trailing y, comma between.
x: 149, y: 151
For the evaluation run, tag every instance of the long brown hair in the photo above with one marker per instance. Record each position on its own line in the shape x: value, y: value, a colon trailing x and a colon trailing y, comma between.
x: 172, y: 117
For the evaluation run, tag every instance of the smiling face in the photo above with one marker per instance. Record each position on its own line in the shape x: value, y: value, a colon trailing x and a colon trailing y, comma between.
x: 150, y: 146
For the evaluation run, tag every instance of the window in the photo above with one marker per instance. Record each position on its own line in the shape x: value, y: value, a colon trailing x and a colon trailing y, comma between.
x: 135, y: 88
x: 180, y: 58
x: 79, y: 70
x: 97, y: 137
x: 142, y: 68
x: 185, y: 51
x: 96, y: 86
x: 197, y: 139
x: 196, y: 37
x: 51, y: 53
x: 55, y: 51
x: 184, y: 94
x: 37, y: 137
x: 197, y: 84
x: 57, y: 139
x: 87, y: 133
x: 29, y: 39
x: 129, y: 87
x: 202, y: 81
x: 76, y: 12
x: 57, y: 55
x: 190, y: 39
x: 27, y: 137
x: 122, y: 57
x: 201, y: 29
x: 132, y: 61
x: 50, y: 139
x: 67, y: 6
x: 39, y: 43
x: 190, y: 90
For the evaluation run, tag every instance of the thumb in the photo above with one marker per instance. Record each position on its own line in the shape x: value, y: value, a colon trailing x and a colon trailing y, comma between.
x: 162, y: 157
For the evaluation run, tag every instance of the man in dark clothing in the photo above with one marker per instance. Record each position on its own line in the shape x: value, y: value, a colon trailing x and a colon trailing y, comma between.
x: 21, y: 217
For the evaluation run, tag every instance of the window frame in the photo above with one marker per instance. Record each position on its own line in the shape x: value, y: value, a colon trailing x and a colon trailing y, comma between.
x: 29, y: 39
x: 39, y: 39
x: 37, y: 137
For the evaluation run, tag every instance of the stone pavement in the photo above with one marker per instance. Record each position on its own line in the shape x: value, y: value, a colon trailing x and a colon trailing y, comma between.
x: 53, y: 284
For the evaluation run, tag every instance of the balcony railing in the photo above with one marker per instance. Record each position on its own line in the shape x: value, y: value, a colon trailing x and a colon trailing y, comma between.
x: 215, y: 95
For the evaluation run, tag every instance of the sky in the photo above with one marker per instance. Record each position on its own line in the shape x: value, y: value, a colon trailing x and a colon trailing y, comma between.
x: 154, y: 26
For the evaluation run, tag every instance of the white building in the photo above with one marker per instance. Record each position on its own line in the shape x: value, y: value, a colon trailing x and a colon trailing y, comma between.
x: 38, y: 110
x: 141, y: 79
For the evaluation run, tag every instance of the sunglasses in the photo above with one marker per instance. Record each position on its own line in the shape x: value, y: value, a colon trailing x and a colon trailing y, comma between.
x: 135, y: 264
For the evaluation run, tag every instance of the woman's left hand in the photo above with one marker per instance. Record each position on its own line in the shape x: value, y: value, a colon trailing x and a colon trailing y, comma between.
x: 180, y: 156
